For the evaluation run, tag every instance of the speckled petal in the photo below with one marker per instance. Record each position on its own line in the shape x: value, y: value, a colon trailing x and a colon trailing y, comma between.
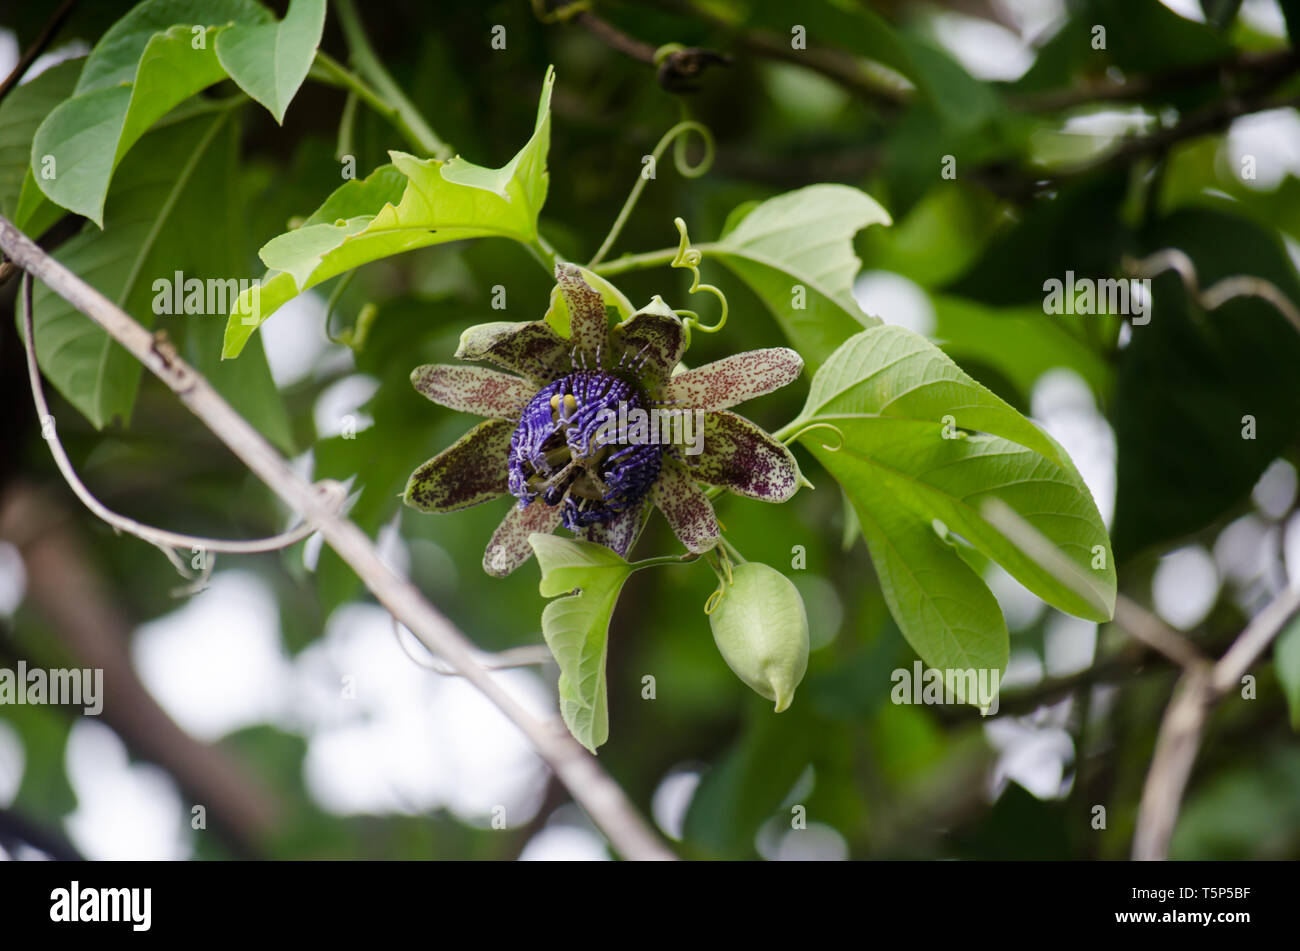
x: 741, y: 457
x: 684, y: 504
x: 509, y: 546
x: 530, y: 348
x: 588, y: 328
x: 734, y: 379
x: 470, y: 471
x: 476, y: 390
x: 655, y: 341
x: 617, y: 534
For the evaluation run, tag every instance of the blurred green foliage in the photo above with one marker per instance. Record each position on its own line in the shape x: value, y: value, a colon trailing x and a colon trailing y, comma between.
x: 1030, y: 200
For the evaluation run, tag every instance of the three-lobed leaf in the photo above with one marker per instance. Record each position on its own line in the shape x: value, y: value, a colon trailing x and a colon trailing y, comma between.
x: 440, y: 202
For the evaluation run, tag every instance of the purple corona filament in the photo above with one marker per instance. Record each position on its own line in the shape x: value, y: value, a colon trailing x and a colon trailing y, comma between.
x: 568, y: 451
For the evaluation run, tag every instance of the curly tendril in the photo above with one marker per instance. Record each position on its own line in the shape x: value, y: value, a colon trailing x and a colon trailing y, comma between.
x: 690, y: 258
x: 676, y: 136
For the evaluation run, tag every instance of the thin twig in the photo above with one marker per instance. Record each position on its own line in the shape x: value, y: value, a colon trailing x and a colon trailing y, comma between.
x: 1202, y: 684
x: 47, y: 34
x: 166, y: 541
x: 1155, y: 633
x: 1266, y: 64
x: 1129, y: 615
x: 866, y: 79
x: 678, y: 66
x: 1177, y: 744
x: 590, y: 785
x: 1254, y: 640
x: 1179, y: 740
x: 530, y: 655
x: 1215, y: 296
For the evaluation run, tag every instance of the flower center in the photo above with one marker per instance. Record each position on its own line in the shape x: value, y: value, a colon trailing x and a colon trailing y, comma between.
x: 572, y: 449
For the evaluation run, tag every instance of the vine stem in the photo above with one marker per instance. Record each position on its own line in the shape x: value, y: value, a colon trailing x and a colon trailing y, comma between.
x: 166, y: 541
x: 645, y: 260
x: 1203, y: 682
x: 385, y: 91
x: 593, y: 788
x: 679, y: 159
x: 327, y: 69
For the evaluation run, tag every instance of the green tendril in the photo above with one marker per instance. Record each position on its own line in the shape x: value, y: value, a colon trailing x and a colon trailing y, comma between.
x: 333, y: 302
x: 354, y: 337
x: 676, y: 136
x: 810, y: 427
x: 690, y: 258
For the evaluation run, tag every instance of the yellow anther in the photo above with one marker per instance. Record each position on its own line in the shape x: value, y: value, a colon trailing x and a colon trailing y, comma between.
x: 569, y: 402
x: 555, y: 401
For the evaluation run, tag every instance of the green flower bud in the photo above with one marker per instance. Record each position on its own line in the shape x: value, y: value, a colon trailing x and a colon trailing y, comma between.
x: 761, y: 630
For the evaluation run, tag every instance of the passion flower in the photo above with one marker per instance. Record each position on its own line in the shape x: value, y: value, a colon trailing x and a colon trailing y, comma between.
x: 572, y: 434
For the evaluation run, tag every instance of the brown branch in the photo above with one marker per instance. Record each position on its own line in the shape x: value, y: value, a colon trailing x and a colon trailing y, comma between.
x: 1129, y: 663
x: 677, y: 68
x: 590, y: 785
x: 1265, y: 65
x: 1179, y: 740
x: 840, y: 67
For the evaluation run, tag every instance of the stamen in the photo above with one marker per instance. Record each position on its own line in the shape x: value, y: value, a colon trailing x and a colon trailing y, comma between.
x: 563, y: 450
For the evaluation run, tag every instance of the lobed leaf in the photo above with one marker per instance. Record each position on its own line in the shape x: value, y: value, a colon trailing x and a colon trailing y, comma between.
x: 440, y: 202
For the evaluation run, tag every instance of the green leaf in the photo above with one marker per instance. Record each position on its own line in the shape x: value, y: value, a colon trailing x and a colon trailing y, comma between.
x: 949, y: 479
x: 892, y: 371
x: 269, y: 61
x: 1021, y: 343
x: 749, y: 783
x: 944, y: 610
x: 361, y: 196
x: 1220, y: 13
x: 1286, y: 662
x: 116, y: 57
x: 804, y: 238
x: 148, y: 63
x: 920, y: 448
x: 1291, y: 14
x: 576, y: 628
x: 938, y: 239
x: 147, y: 230
x: 440, y: 202
x: 21, y: 113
